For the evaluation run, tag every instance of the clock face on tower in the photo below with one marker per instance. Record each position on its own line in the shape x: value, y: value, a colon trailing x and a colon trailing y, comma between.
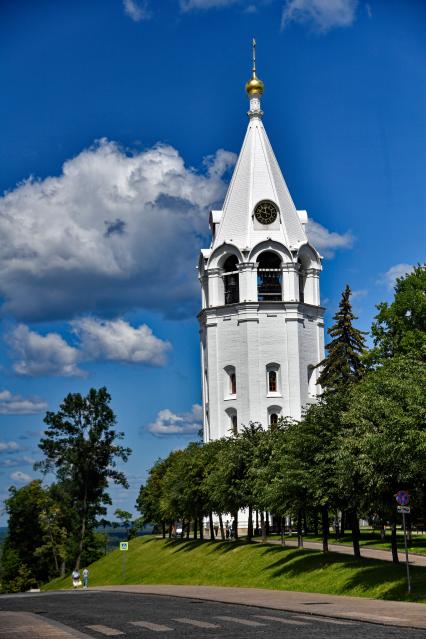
x: 266, y: 212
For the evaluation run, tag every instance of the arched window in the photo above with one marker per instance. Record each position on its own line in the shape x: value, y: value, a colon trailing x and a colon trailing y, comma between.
x: 233, y: 383
x: 230, y: 280
x: 272, y: 381
x: 269, y: 277
x: 274, y: 414
x: 312, y: 381
x: 234, y: 424
x: 230, y: 385
x: 302, y: 281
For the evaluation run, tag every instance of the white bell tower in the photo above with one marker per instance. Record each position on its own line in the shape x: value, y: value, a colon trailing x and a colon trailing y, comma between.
x: 261, y: 323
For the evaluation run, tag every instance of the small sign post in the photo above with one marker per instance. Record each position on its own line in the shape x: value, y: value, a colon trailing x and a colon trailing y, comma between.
x: 124, y: 546
x: 403, y: 499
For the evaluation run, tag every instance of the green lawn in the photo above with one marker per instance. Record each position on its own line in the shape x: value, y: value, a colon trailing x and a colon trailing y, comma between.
x: 370, y: 539
x: 156, y: 561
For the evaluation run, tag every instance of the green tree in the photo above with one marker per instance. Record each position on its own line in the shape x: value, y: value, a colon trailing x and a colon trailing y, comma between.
x: 80, y: 445
x: 343, y: 363
x: 384, y: 446
x: 125, y: 518
x: 54, y: 532
x: 21, y: 566
x: 400, y: 327
x: 148, y: 502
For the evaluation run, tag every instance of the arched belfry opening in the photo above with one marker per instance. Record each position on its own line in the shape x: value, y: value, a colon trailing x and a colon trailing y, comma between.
x: 230, y: 280
x: 269, y: 277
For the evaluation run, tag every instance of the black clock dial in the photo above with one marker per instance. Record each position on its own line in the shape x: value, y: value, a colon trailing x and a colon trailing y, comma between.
x: 266, y: 212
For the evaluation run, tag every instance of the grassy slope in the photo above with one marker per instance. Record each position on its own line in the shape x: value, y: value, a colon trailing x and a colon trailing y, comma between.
x: 156, y: 561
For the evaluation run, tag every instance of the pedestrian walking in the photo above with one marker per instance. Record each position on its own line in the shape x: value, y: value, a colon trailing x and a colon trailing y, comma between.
x: 227, y: 529
x: 76, y: 582
x: 85, y: 579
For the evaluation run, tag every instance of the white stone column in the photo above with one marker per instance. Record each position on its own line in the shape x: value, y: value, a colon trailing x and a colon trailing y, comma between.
x: 216, y: 294
x: 312, y: 287
x: 248, y: 281
x: 290, y: 283
x: 204, y: 291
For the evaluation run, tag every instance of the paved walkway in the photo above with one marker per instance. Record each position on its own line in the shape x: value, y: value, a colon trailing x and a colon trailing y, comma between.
x: 368, y: 553
x: 26, y: 625
x: 392, y: 613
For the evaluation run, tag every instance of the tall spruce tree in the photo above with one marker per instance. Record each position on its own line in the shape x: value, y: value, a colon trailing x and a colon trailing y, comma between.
x: 343, y: 365
x: 341, y: 369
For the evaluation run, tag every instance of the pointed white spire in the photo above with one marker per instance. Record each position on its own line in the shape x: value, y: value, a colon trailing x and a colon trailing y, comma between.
x: 257, y: 176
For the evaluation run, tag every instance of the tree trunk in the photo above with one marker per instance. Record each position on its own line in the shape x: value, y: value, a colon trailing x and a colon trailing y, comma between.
x: 305, y: 523
x: 263, y: 526
x: 201, y: 529
x: 236, y: 525
x: 325, y: 528
x: 62, y: 568
x: 299, y: 529
x: 250, y: 524
x: 170, y: 529
x: 394, y: 544
x: 55, y: 556
x: 183, y: 529
x: 211, y: 526
x: 163, y: 526
x: 188, y: 528
x: 195, y: 527
x: 355, y: 533
x: 267, y: 523
x: 315, y: 521
x: 343, y: 523
x: 257, y: 522
x: 82, y: 530
x: 222, y: 530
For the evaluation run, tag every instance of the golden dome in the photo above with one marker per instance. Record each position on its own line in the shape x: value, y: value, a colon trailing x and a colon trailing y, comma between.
x: 255, y: 85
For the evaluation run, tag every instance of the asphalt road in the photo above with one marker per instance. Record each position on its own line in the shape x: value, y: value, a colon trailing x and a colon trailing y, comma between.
x: 103, y: 614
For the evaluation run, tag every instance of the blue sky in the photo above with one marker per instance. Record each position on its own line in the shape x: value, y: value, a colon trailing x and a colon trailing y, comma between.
x: 119, y: 123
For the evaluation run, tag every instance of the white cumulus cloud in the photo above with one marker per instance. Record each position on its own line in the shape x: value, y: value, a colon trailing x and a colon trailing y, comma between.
x: 11, y: 404
x: 36, y: 354
x: 169, y: 423
x: 398, y: 270
x: 325, y: 241
x: 137, y: 10
x: 10, y: 462
x: 97, y: 340
x: 119, y: 341
x: 321, y: 15
x: 113, y: 232
x: 9, y: 446
x: 20, y: 477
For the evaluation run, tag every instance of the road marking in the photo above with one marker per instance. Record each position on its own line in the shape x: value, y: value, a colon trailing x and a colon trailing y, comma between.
x: 243, y: 622
x: 325, y: 620
x: 155, y: 627
x: 106, y: 630
x: 197, y: 623
x: 281, y: 619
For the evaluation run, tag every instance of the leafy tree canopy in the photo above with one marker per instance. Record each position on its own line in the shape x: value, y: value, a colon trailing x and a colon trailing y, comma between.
x: 400, y: 327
